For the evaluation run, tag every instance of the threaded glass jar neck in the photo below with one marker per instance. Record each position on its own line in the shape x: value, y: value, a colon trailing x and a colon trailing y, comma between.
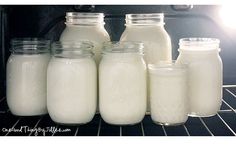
x: 123, y: 47
x: 69, y: 49
x: 30, y: 45
x: 145, y: 19
x: 199, y: 44
x: 76, y: 18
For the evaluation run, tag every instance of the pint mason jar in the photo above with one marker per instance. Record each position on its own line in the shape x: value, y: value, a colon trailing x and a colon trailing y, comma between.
x: 81, y: 26
x: 27, y: 76
x: 168, y: 93
x: 122, y: 83
x: 72, y: 83
x: 205, y: 74
x: 149, y: 29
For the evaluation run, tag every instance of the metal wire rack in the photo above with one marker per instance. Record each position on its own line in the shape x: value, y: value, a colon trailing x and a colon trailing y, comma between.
x: 222, y: 124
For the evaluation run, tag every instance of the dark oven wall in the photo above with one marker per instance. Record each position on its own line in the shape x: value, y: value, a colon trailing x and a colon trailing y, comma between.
x: 181, y: 21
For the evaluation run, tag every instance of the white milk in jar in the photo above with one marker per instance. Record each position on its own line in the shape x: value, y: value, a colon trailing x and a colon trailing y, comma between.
x: 168, y: 93
x: 86, y: 27
x: 205, y: 74
x: 149, y: 28
x: 27, y: 76
x: 72, y: 83
x: 122, y: 83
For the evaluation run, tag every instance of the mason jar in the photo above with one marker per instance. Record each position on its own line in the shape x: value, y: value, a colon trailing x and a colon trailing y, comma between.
x: 122, y: 83
x: 81, y: 26
x: 149, y: 29
x: 72, y: 83
x: 27, y: 76
x: 169, y: 93
x: 205, y: 74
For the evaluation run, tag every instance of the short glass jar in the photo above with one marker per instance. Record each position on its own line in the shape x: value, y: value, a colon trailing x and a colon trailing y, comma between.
x: 72, y: 83
x: 168, y: 93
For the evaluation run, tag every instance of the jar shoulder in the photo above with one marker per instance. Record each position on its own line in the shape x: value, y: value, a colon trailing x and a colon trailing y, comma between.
x: 143, y: 34
x: 79, y: 33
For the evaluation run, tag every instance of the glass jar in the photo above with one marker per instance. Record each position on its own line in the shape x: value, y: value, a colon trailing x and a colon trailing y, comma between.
x: 205, y: 74
x: 122, y: 83
x: 27, y: 76
x: 86, y: 27
x: 168, y: 93
x: 72, y: 83
x: 149, y: 29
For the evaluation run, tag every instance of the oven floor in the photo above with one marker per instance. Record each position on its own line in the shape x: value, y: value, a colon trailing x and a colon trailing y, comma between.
x: 222, y: 124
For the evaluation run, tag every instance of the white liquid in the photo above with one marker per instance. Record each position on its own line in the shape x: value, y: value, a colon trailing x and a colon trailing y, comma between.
x: 72, y: 90
x: 122, y: 88
x: 168, y: 96
x: 96, y: 34
x: 26, y: 84
x: 157, y: 44
x: 205, y: 81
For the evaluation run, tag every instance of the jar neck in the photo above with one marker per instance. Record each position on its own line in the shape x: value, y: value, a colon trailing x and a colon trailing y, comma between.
x: 30, y: 46
x: 156, y: 19
x: 84, y: 19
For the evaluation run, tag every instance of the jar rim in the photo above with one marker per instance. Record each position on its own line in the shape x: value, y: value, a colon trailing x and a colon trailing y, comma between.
x: 199, y: 44
x: 168, y: 65
x: 72, y: 45
x: 71, y: 49
x: 84, y: 14
x: 84, y: 18
x: 30, y: 45
x: 123, y: 47
x: 145, y: 19
x: 198, y: 41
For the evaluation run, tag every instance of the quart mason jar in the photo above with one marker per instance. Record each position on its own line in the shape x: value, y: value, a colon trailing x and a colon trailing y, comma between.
x: 205, y: 74
x: 86, y: 27
x: 149, y: 29
x: 122, y: 83
x: 72, y: 83
x: 27, y: 76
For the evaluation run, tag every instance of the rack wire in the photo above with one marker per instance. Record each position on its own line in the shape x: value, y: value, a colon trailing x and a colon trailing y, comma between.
x: 222, y: 124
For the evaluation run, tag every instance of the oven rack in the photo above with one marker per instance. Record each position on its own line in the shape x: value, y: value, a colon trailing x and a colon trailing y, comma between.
x: 222, y: 124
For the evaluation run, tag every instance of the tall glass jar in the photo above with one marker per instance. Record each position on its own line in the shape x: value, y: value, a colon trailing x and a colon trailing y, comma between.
x: 205, y: 74
x: 149, y: 29
x: 27, y: 76
x: 122, y: 83
x: 72, y: 83
x: 86, y: 27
